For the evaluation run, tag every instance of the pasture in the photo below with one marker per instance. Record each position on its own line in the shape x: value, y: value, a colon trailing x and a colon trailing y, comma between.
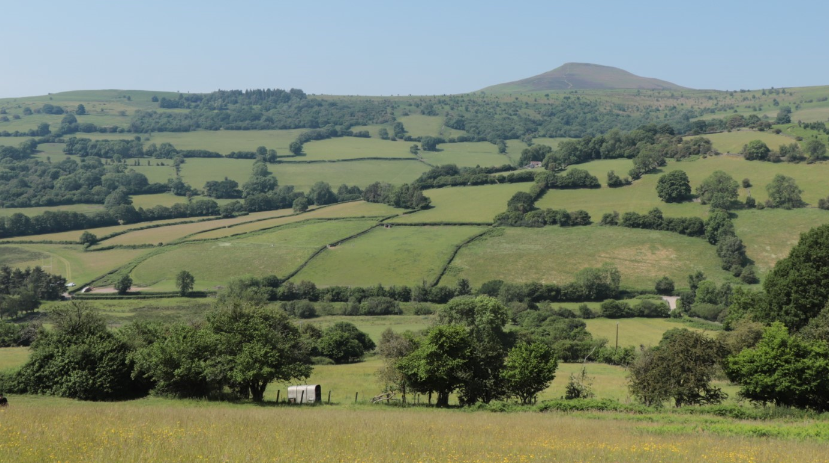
x: 633, y: 331
x: 395, y: 256
x: 74, y: 235
x: 336, y: 211
x: 360, y: 173
x: 641, y: 195
x: 555, y: 254
x: 215, y: 263
x: 354, y: 148
x: 172, y: 233
x: 471, y: 204
x: 468, y: 154
x: 220, y: 141
x: 422, y: 126
x: 732, y: 142
x: 31, y: 211
x: 157, y: 429
x: 198, y: 171
x: 69, y: 261
x: 770, y: 234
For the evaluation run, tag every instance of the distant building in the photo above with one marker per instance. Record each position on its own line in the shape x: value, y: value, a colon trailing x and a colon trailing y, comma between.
x: 533, y: 165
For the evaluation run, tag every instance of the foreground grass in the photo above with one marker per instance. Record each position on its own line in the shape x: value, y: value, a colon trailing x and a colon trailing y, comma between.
x: 37, y: 430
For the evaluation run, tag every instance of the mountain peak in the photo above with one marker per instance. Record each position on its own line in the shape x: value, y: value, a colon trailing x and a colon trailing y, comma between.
x: 583, y: 76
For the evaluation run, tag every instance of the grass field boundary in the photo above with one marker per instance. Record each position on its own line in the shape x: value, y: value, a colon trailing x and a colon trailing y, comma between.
x: 129, y: 265
x: 186, y: 237
x: 158, y: 225
x: 38, y: 242
x: 374, y: 158
x: 140, y: 296
x: 444, y: 224
x: 121, y: 246
x: 323, y: 248
x: 455, y: 253
x: 281, y: 225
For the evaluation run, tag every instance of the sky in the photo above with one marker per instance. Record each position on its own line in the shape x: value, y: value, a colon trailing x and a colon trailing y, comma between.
x: 419, y: 47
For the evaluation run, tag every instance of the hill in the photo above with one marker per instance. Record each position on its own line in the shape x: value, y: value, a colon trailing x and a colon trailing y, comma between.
x: 583, y: 76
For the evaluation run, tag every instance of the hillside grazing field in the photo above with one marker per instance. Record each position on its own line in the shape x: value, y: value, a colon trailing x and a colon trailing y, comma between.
x: 74, y: 235
x: 70, y: 261
x: 375, y: 325
x: 633, y: 331
x: 555, y: 254
x: 168, y: 199
x: 352, y: 148
x: 641, y: 196
x: 158, y: 429
x: 198, y: 171
x: 470, y: 204
x: 156, y: 173
x: 32, y: 211
x: 360, y: 173
x: 770, y: 234
x: 732, y: 142
x: 351, y: 209
x: 468, y: 154
x: 174, y: 232
x: 395, y: 256
x: 421, y: 126
x: 220, y: 141
x: 215, y: 263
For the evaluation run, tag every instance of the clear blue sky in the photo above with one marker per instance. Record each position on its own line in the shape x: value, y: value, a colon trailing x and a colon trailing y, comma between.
x: 415, y: 47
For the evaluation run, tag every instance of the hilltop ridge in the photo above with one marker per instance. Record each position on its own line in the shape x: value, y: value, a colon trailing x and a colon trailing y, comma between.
x: 583, y: 76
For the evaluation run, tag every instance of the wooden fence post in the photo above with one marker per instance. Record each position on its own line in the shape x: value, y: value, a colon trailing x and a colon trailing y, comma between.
x: 277, y: 396
x: 355, y: 397
x: 329, y: 397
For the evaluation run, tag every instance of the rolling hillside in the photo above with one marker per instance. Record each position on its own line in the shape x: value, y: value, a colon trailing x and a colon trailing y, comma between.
x: 583, y: 76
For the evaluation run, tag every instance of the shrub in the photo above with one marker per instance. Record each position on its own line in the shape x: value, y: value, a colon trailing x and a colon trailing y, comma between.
x: 665, y: 286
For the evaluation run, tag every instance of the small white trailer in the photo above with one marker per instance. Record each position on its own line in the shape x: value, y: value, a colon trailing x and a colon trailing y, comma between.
x: 305, y: 394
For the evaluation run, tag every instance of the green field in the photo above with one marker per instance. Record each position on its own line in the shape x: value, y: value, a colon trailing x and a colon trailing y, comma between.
x: 75, y: 235
x: 633, y: 331
x: 471, y: 204
x: 175, y: 232
x: 468, y: 154
x: 198, y: 171
x: 360, y: 173
x: 31, y: 211
x: 770, y: 234
x: 69, y: 261
x: 732, y: 142
x: 351, y: 209
x: 641, y: 196
x: 214, y: 263
x: 353, y: 148
x: 220, y: 141
x: 394, y: 256
x: 421, y: 126
x: 156, y: 173
x: 555, y: 254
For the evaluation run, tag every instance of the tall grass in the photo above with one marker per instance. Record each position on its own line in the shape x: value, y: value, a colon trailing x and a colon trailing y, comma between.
x: 152, y: 430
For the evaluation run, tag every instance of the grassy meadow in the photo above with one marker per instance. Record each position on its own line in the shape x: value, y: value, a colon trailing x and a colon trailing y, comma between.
x: 417, y: 255
x: 472, y: 204
x: 353, y: 148
x: 468, y: 154
x: 633, y: 331
x: 555, y: 254
x: 215, y: 263
x: 69, y: 261
x: 163, y: 430
x: 733, y: 142
x: 220, y: 141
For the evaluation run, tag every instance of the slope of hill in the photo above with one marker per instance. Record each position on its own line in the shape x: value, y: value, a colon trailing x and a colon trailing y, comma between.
x: 583, y: 76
